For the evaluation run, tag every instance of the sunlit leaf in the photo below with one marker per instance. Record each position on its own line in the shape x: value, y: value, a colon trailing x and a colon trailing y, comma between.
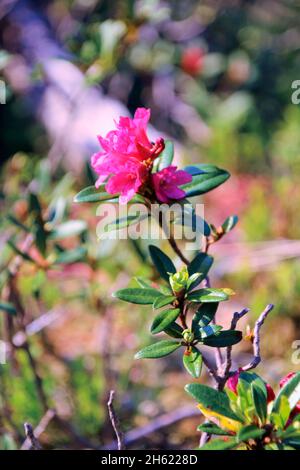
x: 164, y: 319
x: 160, y: 349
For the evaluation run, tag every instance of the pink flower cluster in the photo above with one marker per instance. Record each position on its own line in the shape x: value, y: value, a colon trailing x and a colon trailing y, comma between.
x: 126, y: 162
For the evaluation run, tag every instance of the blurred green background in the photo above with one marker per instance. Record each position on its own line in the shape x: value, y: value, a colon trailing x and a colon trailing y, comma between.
x: 218, y: 78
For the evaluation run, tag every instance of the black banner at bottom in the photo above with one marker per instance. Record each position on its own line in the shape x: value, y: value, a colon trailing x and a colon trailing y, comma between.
x: 133, y: 459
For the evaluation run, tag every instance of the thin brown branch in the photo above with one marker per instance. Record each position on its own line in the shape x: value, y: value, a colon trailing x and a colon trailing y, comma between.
x: 115, y: 421
x: 228, y: 361
x: 256, y: 338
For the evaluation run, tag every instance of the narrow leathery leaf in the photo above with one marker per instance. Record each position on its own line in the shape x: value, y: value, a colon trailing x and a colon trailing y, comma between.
x: 254, y: 380
x: 92, y: 194
x: 205, y: 181
x: 249, y: 432
x: 291, y: 390
x: 164, y: 319
x: 25, y: 256
x: 166, y: 156
x: 211, y: 400
x: 165, y: 290
x: 144, y: 283
x: 192, y: 361
x: 223, y: 339
x: 209, y: 330
x: 162, y: 262
x: 260, y: 403
x: 200, y: 264
x: 40, y: 236
x: 68, y: 229
x: 34, y: 204
x: 159, y: 349
x: 230, y: 223
x: 8, y: 308
x: 193, y: 281
x: 205, y: 314
x: 280, y: 417
x: 211, y: 428
x: 199, y: 169
x: 220, y: 444
x: 207, y: 295
x: 174, y: 330
x: 124, y: 222
x: 189, y: 218
x: 142, y: 296
x: 163, y: 301
x: 71, y: 256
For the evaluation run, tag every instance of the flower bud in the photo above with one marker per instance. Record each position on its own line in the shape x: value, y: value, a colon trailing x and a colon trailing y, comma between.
x: 178, y: 281
x: 188, y: 335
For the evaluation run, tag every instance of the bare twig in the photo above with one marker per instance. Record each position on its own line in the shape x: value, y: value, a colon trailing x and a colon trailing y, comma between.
x: 35, y: 445
x: 41, y: 427
x: 115, y: 421
x: 156, y: 425
x: 256, y: 340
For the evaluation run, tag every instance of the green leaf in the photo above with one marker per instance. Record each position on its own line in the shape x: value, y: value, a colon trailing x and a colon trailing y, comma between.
x: 291, y: 390
x: 68, y: 229
x: 71, y: 256
x: 8, y: 308
x: 204, y: 314
x: 220, y: 444
x: 164, y: 319
x: 40, y: 236
x: 159, y: 349
x: 162, y: 262
x: 166, y: 156
x: 34, y: 204
x: 192, y: 361
x: 144, y: 283
x: 230, y: 223
x: 209, y: 330
x: 211, y: 428
x: 205, y: 178
x: 215, y: 401
x: 124, y: 222
x: 207, y: 295
x: 92, y: 194
x: 223, y: 339
x: 254, y: 380
x: 143, y: 296
x: 189, y: 218
x: 249, y: 432
x: 163, y: 300
x: 200, y: 264
x: 174, y: 330
x: 260, y: 403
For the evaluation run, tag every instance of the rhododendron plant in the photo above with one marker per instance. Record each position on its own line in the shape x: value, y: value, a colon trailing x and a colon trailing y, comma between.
x: 242, y: 406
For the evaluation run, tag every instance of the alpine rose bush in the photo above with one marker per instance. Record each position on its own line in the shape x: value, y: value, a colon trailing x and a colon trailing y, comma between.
x: 242, y: 409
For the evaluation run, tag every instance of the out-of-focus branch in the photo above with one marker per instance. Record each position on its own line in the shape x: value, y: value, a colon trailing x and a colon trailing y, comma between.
x: 157, y: 424
x: 115, y: 421
x: 33, y: 435
x: 35, y: 445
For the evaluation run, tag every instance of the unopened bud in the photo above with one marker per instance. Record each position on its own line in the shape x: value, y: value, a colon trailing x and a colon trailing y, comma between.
x: 188, y: 336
